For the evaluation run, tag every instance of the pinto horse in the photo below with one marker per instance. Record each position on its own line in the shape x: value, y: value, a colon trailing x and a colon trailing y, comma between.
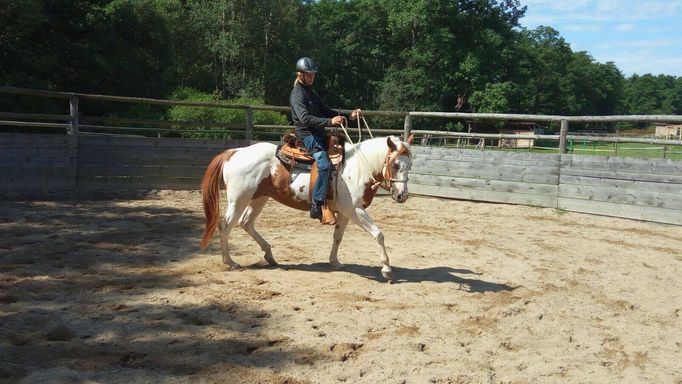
x: 251, y: 175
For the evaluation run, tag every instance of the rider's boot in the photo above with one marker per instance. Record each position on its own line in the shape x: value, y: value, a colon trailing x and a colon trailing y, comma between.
x: 316, y: 210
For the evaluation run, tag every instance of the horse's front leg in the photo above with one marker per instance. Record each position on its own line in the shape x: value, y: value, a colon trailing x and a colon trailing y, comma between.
x: 363, y: 220
x: 339, y: 229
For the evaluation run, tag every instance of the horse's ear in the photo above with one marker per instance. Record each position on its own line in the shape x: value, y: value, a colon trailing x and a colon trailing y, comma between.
x: 410, y: 139
x: 391, y: 144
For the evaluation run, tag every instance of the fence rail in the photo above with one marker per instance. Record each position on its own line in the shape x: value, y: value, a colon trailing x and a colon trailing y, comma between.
x: 550, y: 137
x: 645, y: 189
x: 74, y: 121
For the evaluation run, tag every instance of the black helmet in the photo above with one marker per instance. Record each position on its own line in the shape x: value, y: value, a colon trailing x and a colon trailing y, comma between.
x: 306, y: 64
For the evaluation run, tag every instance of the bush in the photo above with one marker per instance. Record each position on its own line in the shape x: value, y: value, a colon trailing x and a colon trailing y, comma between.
x: 235, y: 119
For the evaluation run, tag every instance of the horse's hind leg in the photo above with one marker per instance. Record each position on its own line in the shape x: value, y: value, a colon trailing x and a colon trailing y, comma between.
x: 247, y: 222
x: 339, y: 229
x: 232, y: 213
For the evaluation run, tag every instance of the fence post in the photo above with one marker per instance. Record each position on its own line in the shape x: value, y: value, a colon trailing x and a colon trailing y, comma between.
x: 408, y: 126
x: 73, y: 143
x: 562, y: 136
x: 249, y: 124
x: 73, y: 107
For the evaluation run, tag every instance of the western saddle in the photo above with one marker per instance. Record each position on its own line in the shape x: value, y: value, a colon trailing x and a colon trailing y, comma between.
x: 293, y: 154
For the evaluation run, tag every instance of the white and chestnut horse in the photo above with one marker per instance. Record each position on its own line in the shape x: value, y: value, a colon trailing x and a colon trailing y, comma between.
x: 253, y: 174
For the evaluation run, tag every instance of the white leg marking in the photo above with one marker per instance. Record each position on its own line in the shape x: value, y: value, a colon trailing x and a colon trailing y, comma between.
x: 247, y: 222
x: 339, y: 229
x: 232, y: 213
x: 364, y: 221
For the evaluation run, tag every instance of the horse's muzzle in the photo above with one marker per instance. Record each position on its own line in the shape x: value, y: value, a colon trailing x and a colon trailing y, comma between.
x: 402, y: 197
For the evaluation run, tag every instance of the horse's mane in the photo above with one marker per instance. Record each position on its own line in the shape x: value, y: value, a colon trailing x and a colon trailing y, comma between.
x: 372, y: 153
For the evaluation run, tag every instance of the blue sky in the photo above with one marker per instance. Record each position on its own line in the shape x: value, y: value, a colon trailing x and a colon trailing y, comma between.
x: 639, y: 36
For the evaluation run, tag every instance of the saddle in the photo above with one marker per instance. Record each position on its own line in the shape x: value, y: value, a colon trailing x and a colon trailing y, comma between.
x: 293, y: 154
x: 292, y: 151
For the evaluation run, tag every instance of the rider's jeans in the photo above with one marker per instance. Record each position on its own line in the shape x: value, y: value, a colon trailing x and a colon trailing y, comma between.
x: 316, y: 145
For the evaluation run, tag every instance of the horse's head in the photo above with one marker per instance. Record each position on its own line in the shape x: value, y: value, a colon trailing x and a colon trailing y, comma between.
x: 397, y: 167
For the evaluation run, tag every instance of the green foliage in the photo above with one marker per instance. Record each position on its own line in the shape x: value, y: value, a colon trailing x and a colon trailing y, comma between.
x: 235, y: 119
x: 649, y: 94
x: 495, y: 98
x: 376, y: 54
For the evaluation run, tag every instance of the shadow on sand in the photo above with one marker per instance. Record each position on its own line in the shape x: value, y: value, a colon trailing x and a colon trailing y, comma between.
x: 412, y: 275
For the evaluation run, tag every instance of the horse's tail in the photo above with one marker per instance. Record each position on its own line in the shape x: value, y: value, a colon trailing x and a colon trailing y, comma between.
x: 210, y: 192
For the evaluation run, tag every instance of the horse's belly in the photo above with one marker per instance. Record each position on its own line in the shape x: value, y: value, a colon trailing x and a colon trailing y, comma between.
x: 300, y: 186
x: 290, y: 189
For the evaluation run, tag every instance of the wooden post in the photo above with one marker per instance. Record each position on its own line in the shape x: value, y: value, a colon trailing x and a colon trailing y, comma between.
x: 408, y: 126
x: 562, y: 136
x: 665, y: 150
x: 73, y: 107
x: 249, y: 124
x: 73, y: 143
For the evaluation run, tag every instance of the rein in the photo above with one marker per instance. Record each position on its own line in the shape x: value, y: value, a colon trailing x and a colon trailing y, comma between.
x: 388, y: 180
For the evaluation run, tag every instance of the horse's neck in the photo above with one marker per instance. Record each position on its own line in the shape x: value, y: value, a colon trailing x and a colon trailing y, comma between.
x: 367, y: 159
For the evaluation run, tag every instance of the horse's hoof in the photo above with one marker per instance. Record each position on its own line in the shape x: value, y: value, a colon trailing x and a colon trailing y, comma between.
x: 271, y: 261
x: 336, y: 266
x: 269, y: 258
x: 388, y: 275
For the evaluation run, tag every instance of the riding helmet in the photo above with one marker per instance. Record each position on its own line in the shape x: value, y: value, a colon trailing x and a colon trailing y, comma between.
x: 306, y: 64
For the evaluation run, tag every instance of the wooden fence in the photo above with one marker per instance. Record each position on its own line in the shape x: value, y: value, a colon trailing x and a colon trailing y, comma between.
x: 506, y: 177
x: 45, y: 162
x: 614, y: 186
x: 642, y: 189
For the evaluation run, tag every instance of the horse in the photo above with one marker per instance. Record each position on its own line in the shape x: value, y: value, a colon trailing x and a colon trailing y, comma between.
x: 252, y: 175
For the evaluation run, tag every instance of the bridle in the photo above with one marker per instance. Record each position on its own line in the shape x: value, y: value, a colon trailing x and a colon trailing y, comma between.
x: 387, y: 173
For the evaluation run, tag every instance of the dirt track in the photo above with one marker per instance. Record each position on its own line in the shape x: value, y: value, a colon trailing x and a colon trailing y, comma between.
x: 115, y: 289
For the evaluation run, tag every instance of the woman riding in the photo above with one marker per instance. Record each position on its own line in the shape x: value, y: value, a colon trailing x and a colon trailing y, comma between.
x: 311, y: 116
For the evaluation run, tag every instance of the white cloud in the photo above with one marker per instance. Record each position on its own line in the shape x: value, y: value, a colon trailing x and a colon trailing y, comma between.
x: 639, y: 36
x: 625, y: 27
x: 643, y: 62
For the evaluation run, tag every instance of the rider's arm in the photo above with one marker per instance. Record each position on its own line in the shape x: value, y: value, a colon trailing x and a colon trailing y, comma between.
x: 328, y: 111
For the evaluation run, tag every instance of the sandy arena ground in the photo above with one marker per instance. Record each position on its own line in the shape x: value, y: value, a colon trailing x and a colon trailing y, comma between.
x: 114, y: 289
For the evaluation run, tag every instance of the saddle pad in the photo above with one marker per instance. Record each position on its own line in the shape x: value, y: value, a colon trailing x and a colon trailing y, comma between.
x: 298, y: 155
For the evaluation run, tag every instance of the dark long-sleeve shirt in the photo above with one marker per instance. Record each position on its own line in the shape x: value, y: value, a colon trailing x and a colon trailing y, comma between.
x: 309, y: 113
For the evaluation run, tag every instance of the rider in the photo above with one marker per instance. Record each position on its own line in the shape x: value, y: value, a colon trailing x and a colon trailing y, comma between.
x: 310, y: 117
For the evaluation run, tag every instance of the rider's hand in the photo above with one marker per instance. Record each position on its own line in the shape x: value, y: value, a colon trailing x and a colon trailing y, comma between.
x: 355, y: 114
x: 336, y: 120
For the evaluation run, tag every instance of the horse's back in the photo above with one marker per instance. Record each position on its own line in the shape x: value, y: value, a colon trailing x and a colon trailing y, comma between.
x: 249, y: 165
x: 251, y: 156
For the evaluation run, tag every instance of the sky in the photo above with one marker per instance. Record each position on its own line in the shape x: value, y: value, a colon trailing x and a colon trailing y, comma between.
x: 640, y: 37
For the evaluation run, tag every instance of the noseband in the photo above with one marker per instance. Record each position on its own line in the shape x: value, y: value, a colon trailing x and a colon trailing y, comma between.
x: 387, y: 182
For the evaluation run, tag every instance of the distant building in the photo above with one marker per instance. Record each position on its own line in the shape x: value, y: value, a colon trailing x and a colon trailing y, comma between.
x: 669, y: 131
x: 509, y: 128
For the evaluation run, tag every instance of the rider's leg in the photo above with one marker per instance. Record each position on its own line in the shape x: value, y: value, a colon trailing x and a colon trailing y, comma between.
x: 316, y: 147
x: 323, y: 168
